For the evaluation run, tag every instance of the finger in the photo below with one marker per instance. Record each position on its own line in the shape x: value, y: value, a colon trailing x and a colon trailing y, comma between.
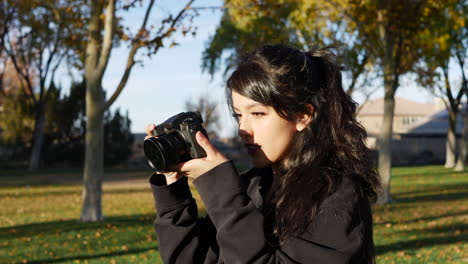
x: 205, y: 144
x: 183, y: 167
x: 171, y: 174
x: 149, y: 129
x: 188, y: 166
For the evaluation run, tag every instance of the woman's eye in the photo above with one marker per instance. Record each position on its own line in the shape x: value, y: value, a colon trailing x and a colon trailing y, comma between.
x: 258, y: 114
x: 236, y: 115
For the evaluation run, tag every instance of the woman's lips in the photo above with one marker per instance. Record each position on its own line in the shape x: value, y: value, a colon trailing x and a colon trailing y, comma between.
x: 252, y: 148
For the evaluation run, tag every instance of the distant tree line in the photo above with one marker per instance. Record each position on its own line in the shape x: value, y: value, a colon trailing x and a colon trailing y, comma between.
x: 65, y: 127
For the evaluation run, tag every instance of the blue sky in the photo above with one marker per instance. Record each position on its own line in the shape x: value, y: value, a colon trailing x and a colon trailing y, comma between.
x: 160, y: 88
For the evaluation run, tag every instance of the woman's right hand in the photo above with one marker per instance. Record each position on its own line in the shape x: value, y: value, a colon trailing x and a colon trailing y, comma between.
x: 170, y: 176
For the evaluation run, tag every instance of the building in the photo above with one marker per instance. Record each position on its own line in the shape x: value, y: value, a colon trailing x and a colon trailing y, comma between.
x: 419, y: 129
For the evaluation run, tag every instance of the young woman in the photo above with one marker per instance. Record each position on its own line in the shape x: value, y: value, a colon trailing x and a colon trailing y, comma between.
x: 307, y: 199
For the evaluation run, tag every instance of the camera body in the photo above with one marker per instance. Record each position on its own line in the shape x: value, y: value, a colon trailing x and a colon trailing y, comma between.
x: 174, y: 141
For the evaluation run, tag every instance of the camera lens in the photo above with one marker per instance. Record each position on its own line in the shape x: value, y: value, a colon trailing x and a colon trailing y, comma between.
x: 154, y: 152
x: 165, y: 151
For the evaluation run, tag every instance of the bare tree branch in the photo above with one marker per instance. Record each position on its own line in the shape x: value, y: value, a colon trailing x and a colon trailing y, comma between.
x: 58, y: 32
x: 41, y: 72
x: 130, y: 60
x: 138, y: 44
x: 131, y: 4
x: 124, y: 79
x: 55, y: 68
x: 366, y: 99
x: 26, y: 78
x: 159, y: 39
x: 145, y: 19
x: 196, y: 8
x: 109, y: 28
x: 355, y: 74
x: 460, y: 53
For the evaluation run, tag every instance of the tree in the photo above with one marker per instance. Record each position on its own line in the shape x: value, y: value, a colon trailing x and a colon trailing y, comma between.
x: 66, y: 144
x: 244, y: 26
x: 10, y: 82
x: 98, y: 49
x: 247, y: 25
x: 434, y: 72
x: 447, y: 41
x: 17, y: 118
x: 65, y: 129
x: 394, y: 38
x: 382, y: 35
x: 459, y: 34
x: 37, y: 48
x: 207, y: 109
x: 118, y: 138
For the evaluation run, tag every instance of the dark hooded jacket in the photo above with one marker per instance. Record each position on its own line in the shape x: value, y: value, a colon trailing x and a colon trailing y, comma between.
x: 235, y: 229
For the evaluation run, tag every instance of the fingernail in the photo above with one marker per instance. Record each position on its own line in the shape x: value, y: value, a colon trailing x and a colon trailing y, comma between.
x: 200, y: 135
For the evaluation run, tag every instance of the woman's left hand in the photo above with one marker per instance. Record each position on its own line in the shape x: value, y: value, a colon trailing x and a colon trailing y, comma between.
x: 196, y: 167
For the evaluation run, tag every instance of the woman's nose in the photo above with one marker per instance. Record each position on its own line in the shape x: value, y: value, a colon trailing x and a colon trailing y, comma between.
x: 244, y: 130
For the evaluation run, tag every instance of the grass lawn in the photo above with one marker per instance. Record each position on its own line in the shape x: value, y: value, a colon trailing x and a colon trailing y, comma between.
x: 426, y: 224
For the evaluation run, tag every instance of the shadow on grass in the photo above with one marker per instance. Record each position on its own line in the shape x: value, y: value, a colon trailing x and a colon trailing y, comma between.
x: 87, y: 257
x: 426, y: 218
x: 425, y: 172
x: 420, y: 243
x: 430, y: 188
x: 436, y: 230
x: 434, y: 197
x: 57, y: 227
x: 433, y: 240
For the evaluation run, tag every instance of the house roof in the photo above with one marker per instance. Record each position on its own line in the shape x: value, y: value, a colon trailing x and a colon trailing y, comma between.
x: 437, y: 124
x: 402, y: 107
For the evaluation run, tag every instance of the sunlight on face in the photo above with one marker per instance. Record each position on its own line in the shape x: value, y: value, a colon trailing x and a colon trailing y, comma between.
x: 266, y: 135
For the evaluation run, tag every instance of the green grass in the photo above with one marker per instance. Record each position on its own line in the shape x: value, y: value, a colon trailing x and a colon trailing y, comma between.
x: 428, y: 221
x: 426, y: 224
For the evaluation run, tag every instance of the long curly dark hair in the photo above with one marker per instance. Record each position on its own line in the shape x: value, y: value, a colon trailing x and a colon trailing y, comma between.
x: 290, y: 81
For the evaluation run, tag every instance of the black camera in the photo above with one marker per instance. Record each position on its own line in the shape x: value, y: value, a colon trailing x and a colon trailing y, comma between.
x: 175, y: 142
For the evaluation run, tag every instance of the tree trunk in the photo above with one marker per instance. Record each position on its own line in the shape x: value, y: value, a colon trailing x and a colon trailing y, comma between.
x: 97, y: 56
x: 93, y: 170
x: 390, y: 63
x: 98, y: 51
x: 451, y: 142
x: 385, y: 146
x: 461, y: 161
x: 38, y: 137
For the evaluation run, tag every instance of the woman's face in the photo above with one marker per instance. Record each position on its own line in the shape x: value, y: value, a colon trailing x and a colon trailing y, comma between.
x: 266, y: 135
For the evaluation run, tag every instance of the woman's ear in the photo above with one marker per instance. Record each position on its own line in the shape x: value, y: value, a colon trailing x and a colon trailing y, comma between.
x: 304, y: 119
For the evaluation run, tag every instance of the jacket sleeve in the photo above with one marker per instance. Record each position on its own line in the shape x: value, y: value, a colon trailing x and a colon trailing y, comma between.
x: 182, y: 236
x: 332, y: 238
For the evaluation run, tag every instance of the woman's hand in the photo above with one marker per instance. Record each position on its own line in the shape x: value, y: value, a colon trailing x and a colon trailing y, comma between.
x: 171, y: 177
x: 196, y: 167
